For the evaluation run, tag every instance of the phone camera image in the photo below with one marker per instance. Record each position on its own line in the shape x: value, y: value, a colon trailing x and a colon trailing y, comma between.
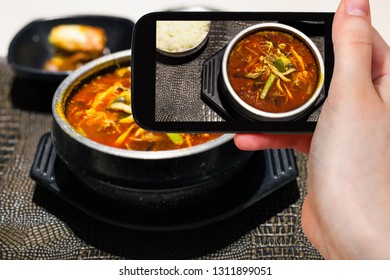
x: 239, y: 71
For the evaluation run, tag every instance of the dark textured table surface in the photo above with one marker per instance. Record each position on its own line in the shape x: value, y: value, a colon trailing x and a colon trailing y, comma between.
x: 35, y: 224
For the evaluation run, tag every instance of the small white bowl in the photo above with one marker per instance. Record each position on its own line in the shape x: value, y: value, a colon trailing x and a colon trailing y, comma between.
x: 257, y: 114
x: 166, y: 43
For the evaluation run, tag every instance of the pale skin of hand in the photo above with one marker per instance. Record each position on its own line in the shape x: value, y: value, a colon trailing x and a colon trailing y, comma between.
x: 346, y: 214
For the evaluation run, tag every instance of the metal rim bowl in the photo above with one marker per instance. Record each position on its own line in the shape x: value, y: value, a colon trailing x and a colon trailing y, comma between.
x: 127, y: 176
x: 257, y: 114
x: 91, y: 70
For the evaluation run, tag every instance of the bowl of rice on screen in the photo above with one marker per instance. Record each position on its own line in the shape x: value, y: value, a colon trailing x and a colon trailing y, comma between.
x: 181, y: 38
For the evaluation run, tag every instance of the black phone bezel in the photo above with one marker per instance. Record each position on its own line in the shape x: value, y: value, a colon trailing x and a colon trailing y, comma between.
x: 143, y: 64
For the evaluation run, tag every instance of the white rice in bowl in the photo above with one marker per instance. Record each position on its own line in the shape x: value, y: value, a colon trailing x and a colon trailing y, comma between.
x: 180, y: 36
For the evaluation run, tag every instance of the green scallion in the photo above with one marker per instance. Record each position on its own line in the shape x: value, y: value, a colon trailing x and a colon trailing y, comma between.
x: 268, y: 84
x: 176, y: 138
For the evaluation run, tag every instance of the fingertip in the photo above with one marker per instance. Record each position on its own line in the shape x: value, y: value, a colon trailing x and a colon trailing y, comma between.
x: 360, y: 8
x: 253, y: 142
x: 244, y: 142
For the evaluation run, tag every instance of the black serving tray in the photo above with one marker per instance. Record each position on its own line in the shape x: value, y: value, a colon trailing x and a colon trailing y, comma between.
x: 265, y: 172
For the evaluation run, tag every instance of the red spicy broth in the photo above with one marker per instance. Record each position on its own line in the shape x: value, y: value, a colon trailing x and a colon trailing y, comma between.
x: 101, y: 111
x: 273, y: 71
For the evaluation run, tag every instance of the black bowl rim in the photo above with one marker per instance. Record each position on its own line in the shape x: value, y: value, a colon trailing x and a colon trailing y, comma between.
x: 37, y: 73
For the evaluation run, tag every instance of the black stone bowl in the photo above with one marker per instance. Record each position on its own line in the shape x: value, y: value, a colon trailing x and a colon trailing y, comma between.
x: 152, y: 178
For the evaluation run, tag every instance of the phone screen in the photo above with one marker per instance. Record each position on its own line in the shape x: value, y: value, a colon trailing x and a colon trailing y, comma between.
x: 231, y: 71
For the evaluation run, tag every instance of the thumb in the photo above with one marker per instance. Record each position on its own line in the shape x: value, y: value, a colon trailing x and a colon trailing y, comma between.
x: 352, y: 40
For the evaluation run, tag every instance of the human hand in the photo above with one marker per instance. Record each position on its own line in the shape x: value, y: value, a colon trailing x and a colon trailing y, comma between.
x: 346, y: 213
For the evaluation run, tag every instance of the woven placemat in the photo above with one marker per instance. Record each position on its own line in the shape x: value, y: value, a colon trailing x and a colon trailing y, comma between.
x: 35, y: 224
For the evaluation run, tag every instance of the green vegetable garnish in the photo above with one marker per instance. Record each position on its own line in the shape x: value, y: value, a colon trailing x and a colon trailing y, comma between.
x: 280, y: 65
x: 176, y: 138
x: 268, y: 84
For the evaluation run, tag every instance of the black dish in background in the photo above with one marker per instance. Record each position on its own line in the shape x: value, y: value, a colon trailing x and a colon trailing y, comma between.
x: 32, y: 95
x: 30, y: 49
x: 266, y: 172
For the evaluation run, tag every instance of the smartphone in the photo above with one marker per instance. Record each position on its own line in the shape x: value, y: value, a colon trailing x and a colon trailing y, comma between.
x: 263, y: 72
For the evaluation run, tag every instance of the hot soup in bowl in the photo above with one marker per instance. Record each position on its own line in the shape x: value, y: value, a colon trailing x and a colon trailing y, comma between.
x: 101, y: 111
x: 95, y: 135
x: 272, y: 72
